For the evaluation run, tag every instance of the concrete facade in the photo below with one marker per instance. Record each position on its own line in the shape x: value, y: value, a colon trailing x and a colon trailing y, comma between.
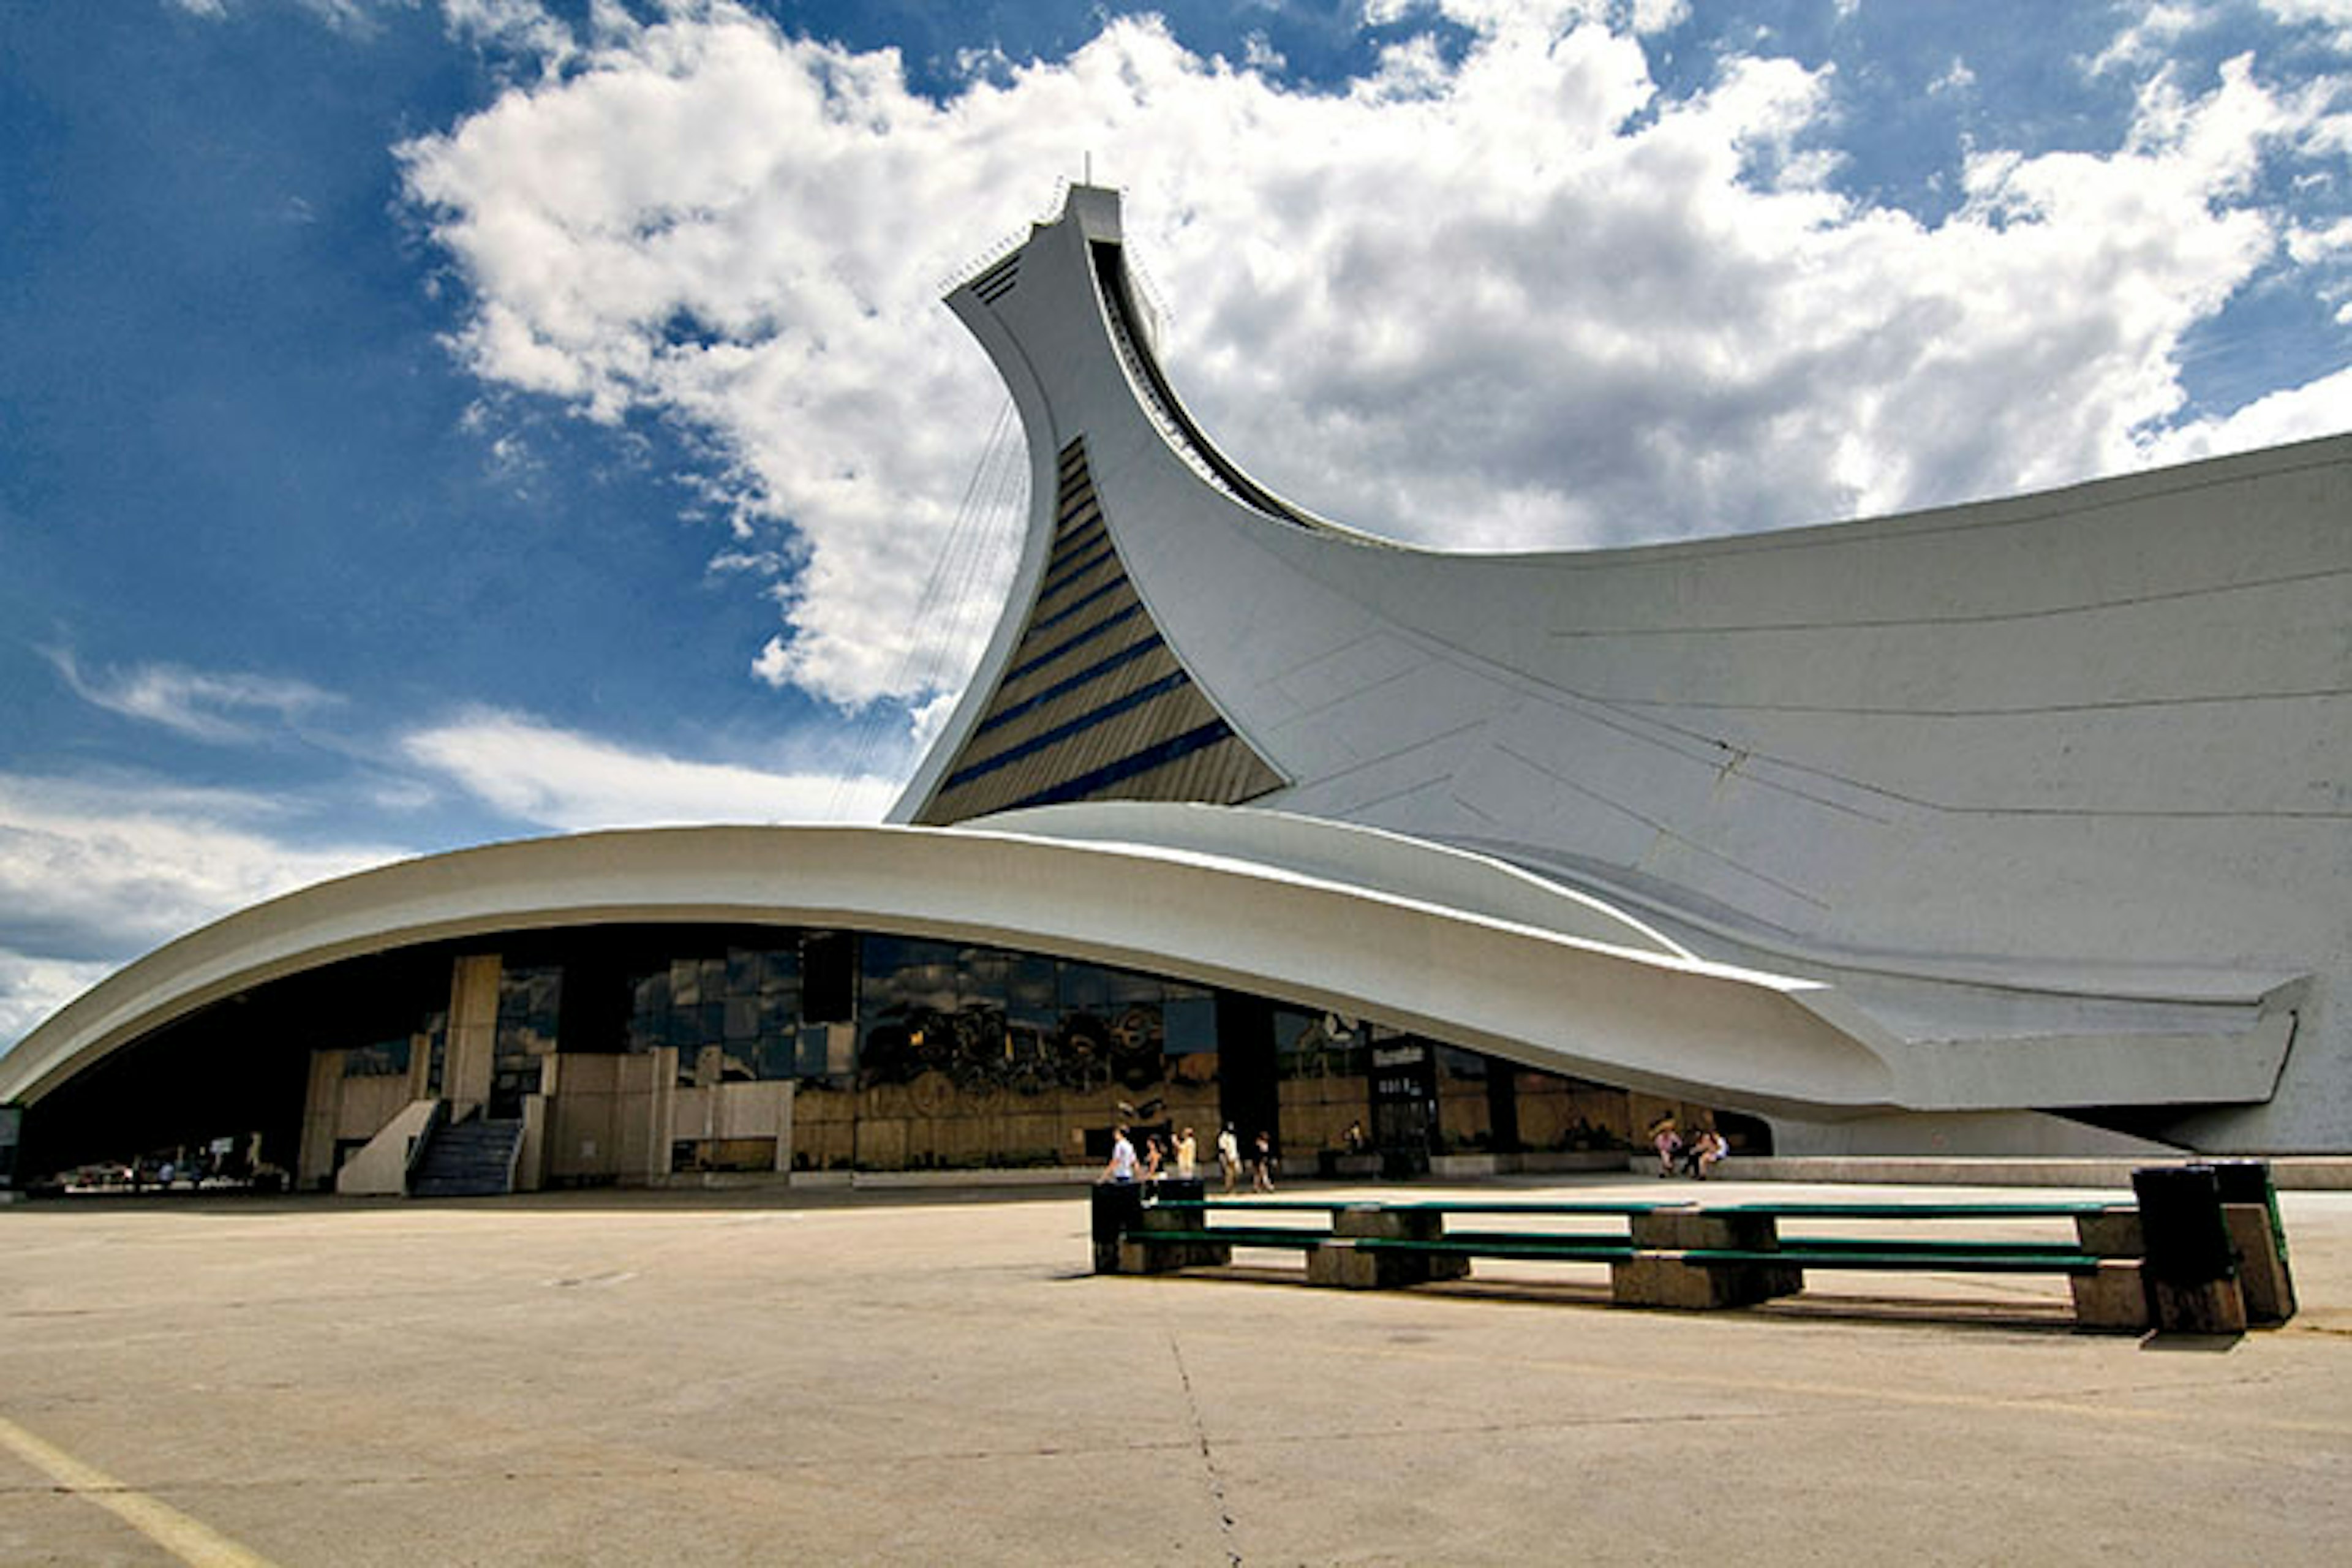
x: 2048, y: 793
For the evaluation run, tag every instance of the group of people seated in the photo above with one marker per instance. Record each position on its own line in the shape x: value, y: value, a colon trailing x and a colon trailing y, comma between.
x: 1694, y: 1155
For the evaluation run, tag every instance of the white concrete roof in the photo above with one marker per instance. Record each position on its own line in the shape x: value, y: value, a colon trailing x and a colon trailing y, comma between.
x: 1626, y: 1012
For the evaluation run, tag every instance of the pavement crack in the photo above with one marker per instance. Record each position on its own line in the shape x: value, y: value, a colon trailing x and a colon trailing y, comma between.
x: 1217, y: 1479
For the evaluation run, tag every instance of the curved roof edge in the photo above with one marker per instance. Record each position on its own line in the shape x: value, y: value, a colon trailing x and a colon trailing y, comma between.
x: 1652, y: 1020
x: 1377, y: 859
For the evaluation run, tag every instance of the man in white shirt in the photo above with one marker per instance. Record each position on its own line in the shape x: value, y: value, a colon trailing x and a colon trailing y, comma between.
x: 1229, y: 1156
x: 1122, y: 1159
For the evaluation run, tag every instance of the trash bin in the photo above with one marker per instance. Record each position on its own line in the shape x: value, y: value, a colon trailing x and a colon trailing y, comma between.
x: 1117, y: 1208
x: 2190, y: 1269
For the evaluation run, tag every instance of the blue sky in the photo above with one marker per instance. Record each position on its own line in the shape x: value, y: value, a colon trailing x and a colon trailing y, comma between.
x: 422, y: 423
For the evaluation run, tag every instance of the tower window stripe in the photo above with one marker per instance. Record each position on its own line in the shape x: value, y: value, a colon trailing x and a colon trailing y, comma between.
x: 1060, y: 733
x: 1070, y: 683
x: 1080, y: 603
x: 1142, y: 761
x: 1076, y: 570
x: 1040, y: 661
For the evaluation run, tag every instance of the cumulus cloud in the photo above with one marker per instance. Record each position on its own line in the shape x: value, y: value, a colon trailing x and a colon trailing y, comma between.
x: 558, y: 778
x: 1504, y: 295
x: 202, y: 705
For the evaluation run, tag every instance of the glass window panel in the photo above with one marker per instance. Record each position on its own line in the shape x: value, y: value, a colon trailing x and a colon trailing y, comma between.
x: 685, y: 983
x: 812, y: 1053
x: 1190, y: 1024
x: 740, y: 1018
x: 1086, y: 987
x: 742, y: 972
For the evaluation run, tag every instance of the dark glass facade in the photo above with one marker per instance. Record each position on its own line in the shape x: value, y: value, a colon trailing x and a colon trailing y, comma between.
x: 653, y: 1050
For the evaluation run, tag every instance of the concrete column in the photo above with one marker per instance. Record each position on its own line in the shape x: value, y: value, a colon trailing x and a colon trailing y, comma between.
x: 322, y: 1102
x: 473, y: 1032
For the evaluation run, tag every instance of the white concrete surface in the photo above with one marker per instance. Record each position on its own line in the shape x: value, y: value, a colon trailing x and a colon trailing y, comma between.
x: 2054, y: 794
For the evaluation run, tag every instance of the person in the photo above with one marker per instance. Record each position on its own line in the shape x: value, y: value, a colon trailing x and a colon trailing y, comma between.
x: 1122, y: 1158
x: 1712, y: 1148
x: 1262, y: 1165
x: 1668, y: 1144
x: 1152, y: 1155
x: 1229, y: 1156
x: 1187, y: 1154
x: 1354, y: 1140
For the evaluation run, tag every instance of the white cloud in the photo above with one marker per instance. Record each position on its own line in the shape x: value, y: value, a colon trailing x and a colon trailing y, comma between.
x: 2148, y: 40
x: 201, y: 704
x: 1507, y: 297
x: 560, y: 779
x: 100, y: 869
x: 33, y: 988
x: 2335, y: 16
x: 1657, y: 16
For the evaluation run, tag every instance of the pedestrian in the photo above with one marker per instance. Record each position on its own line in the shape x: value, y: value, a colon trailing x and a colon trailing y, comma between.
x: 1152, y: 1155
x: 1229, y: 1156
x: 1122, y: 1158
x: 1668, y: 1144
x: 1262, y: 1165
x: 1187, y: 1155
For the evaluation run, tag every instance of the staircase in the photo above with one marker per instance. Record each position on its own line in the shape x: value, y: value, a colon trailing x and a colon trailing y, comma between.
x: 473, y: 1159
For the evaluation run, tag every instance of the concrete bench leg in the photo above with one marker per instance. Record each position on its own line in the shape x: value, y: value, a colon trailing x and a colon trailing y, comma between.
x: 1654, y: 1276
x: 2263, y: 1275
x: 1664, y: 1279
x: 1340, y: 1263
x: 2114, y: 1297
x: 1167, y: 1257
x: 2112, y: 1232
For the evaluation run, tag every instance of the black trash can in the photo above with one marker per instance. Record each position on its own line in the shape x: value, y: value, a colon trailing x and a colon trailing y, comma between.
x: 2180, y: 1216
x: 2190, y: 1269
x: 1117, y: 1208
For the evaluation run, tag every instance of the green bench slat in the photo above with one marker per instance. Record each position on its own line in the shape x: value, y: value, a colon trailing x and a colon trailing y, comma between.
x: 1938, y: 1247
x: 1283, y: 1205
x: 1931, y: 1262
x: 1526, y: 1249
x: 1920, y: 1211
x: 1538, y: 1238
x: 1565, y: 1208
x: 1237, y: 1235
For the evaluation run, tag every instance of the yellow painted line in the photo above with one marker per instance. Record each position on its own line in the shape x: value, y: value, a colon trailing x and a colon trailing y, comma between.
x: 191, y: 1541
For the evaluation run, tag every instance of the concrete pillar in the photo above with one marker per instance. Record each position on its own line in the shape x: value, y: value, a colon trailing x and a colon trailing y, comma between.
x: 321, y: 1106
x: 473, y: 1033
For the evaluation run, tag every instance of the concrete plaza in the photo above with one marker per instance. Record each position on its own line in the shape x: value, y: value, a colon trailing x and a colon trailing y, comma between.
x: 769, y: 1376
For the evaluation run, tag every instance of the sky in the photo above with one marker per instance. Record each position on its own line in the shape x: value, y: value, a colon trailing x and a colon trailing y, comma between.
x: 431, y: 421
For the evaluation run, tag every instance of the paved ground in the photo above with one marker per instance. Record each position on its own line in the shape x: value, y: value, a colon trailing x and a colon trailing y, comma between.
x: 761, y: 1378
